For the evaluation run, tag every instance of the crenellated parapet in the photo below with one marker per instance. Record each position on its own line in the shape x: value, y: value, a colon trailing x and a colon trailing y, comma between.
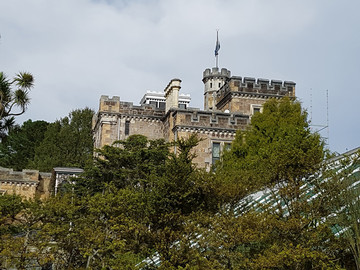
x: 26, y: 183
x: 215, y: 72
x: 213, y: 80
x: 264, y: 86
x: 252, y: 91
x: 116, y: 120
x: 109, y: 104
x: 110, y: 107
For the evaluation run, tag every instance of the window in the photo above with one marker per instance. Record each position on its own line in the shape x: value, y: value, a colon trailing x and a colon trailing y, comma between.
x: 255, y: 108
x: 219, y: 85
x: 215, y: 152
x: 162, y: 105
x: 127, y: 127
x: 210, y: 85
x: 182, y: 106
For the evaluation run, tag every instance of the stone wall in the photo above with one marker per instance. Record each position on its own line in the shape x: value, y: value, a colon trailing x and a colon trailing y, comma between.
x: 240, y: 95
x: 27, y: 183
x: 209, y: 126
x: 117, y: 120
x: 236, y: 100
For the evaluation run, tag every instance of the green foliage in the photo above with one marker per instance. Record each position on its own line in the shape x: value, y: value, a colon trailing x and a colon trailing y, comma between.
x: 141, y: 194
x: 13, y: 102
x: 277, y: 152
x: 67, y: 142
x: 130, y: 163
x: 137, y: 198
x: 90, y: 231
x: 10, y: 207
x: 18, y: 148
x: 278, y: 147
x: 20, y: 245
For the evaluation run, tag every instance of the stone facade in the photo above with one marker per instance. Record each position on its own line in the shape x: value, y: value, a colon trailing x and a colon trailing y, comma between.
x: 32, y: 184
x: 229, y: 103
x: 27, y: 183
x: 117, y: 120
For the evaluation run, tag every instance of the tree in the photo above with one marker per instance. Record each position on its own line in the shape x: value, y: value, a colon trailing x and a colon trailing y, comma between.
x: 67, y: 142
x: 21, y: 246
x: 129, y: 163
x: 141, y: 188
x: 17, y: 149
x: 277, y: 148
x: 13, y: 102
x: 276, y: 154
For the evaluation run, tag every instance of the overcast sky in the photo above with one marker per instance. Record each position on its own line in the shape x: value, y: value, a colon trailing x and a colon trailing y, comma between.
x: 80, y: 50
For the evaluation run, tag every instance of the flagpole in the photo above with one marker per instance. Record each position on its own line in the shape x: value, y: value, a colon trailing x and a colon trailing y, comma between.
x: 217, y: 48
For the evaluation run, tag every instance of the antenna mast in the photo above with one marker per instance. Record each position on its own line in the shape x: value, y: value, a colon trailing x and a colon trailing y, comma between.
x: 327, y: 117
x: 319, y: 128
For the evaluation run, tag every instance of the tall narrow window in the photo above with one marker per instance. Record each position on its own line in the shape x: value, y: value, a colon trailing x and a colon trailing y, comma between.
x: 215, y: 152
x: 127, y: 127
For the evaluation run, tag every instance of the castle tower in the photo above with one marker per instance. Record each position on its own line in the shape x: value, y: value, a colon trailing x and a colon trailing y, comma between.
x: 213, y: 80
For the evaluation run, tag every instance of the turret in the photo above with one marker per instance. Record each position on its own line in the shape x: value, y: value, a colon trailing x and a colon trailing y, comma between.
x: 213, y: 80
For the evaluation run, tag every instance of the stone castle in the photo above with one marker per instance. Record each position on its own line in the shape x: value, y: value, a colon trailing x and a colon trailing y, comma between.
x: 229, y: 103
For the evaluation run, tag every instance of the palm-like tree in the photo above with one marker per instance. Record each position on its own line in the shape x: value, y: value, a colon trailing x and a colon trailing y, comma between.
x: 13, y: 102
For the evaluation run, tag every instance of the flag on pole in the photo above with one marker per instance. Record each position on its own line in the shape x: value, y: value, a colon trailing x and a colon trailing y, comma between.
x: 217, y: 46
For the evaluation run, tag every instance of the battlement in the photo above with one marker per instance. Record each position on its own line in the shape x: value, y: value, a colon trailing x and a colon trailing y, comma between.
x: 128, y: 108
x: 258, y: 86
x: 210, y: 119
x: 260, y: 83
x: 27, y: 183
x: 109, y: 104
x: 214, y: 72
x: 25, y: 176
x: 106, y: 98
x: 248, y: 94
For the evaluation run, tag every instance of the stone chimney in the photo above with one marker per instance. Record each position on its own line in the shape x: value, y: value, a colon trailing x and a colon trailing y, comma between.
x: 172, y: 94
